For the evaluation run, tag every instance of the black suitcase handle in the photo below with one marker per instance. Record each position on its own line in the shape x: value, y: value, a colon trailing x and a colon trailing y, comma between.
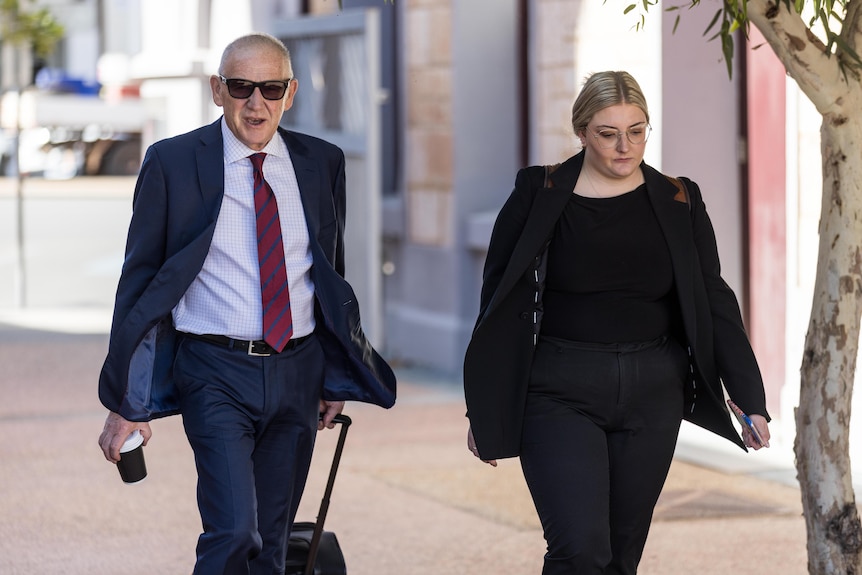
x: 313, y: 546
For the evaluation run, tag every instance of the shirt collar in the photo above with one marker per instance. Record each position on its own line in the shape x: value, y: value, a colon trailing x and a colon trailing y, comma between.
x: 234, y: 150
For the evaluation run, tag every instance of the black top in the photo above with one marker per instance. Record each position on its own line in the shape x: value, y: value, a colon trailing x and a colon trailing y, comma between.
x: 610, y: 277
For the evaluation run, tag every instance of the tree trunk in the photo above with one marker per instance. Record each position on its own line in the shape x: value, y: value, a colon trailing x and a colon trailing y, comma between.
x: 829, y: 360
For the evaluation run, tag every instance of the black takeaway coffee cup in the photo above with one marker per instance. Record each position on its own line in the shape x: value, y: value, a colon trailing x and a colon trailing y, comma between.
x: 132, y: 467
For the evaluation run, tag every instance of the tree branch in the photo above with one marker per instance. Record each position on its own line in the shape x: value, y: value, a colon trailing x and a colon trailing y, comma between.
x: 818, y: 73
x: 851, y: 32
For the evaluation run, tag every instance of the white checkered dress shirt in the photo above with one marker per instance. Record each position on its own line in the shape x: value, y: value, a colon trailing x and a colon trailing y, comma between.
x: 224, y: 299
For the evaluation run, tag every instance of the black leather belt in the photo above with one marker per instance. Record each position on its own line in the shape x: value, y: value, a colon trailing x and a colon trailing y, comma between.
x: 257, y: 347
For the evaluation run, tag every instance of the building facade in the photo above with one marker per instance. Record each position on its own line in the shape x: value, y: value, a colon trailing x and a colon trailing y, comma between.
x: 470, y: 92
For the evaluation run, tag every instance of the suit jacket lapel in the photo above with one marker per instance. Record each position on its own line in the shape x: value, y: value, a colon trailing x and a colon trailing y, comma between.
x: 210, y: 166
x: 547, y: 206
x: 307, y: 178
x: 674, y: 218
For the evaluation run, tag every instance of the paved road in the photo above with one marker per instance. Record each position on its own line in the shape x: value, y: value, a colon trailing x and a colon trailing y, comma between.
x: 74, y: 234
x: 410, y: 500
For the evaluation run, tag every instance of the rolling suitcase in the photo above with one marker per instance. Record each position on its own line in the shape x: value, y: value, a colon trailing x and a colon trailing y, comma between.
x: 311, y: 550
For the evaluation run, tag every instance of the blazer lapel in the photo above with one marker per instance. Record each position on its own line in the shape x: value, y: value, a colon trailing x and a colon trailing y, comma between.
x: 547, y: 206
x: 307, y: 178
x: 674, y: 218
x: 210, y: 166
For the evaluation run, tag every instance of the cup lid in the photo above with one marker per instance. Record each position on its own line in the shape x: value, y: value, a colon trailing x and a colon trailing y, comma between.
x: 132, y: 441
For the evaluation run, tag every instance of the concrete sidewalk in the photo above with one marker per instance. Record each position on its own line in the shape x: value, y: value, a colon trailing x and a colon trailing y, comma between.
x: 409, y: 500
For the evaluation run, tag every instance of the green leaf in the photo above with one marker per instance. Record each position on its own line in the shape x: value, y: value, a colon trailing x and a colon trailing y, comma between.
x: 846, y: 49
x: 712, y: 22
x: 727, y: 49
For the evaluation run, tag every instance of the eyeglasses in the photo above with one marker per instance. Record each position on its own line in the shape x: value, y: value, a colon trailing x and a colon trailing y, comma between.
x: 242, y: 89
x: 607, y: 138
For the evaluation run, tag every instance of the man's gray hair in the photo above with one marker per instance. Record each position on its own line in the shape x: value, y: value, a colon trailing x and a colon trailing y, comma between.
x: 256, y: 40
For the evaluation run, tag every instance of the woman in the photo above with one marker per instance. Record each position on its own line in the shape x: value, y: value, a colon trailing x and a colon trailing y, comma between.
x: 604, y: 321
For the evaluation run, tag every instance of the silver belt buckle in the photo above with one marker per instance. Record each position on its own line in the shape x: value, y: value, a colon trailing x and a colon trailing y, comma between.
x: 252, y: 351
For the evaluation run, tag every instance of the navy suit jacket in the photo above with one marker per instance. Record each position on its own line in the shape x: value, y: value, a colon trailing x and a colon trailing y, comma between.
x: 177, y: 200
x: 500, y: 354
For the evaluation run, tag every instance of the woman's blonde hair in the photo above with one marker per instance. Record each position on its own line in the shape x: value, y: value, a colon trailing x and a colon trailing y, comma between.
x: 604, y: 89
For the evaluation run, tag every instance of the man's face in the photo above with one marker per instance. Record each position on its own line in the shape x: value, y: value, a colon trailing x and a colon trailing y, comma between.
x: 253, y: 120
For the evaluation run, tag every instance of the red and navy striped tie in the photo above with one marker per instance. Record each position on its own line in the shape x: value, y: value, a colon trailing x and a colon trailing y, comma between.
x: 277, y: 320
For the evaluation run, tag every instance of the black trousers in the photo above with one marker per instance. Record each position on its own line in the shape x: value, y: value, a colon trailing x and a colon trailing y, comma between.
x: 251, y: 422
x: 599, y: 435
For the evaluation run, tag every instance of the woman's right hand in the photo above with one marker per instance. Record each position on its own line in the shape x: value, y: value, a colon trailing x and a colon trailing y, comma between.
x: 471, y: 445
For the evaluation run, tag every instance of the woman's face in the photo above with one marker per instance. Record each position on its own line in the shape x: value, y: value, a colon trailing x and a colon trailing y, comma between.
x: 608, y: 140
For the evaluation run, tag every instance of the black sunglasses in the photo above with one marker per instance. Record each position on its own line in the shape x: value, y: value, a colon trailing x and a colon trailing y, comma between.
x: 242, y: 89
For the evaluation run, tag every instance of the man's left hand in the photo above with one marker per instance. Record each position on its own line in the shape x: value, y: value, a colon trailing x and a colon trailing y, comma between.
x: 328, y: 411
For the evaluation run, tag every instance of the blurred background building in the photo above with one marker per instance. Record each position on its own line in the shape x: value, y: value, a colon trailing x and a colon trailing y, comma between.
x: 437, y: 104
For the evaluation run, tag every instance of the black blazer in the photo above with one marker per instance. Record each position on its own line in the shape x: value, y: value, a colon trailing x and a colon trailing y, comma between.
x: 499, y: 356
x: 177, y: 200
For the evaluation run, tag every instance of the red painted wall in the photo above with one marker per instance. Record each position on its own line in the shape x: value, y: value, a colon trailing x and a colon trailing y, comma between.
x: 766, y: 182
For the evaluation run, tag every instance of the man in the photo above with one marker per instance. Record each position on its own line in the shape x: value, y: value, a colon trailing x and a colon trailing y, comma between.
x: 206, y: 324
